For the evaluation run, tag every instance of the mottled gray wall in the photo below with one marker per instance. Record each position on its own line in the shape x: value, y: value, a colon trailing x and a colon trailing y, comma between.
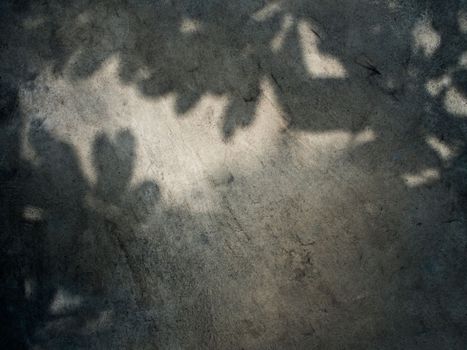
x: 233, y: 174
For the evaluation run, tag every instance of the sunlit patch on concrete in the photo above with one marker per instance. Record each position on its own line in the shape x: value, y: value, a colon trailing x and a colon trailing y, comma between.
x: 462, y: 21
x: 425, y: 177
x: 364, y: 136
x: 425, y: 37
x: 194, y: 138
x: 189, y: 26
x: 463, y: 60
x: 319, y: 65
x: 455, y: 102
x: 63, y: 302
x: 334, y: 141
x: 278, y: 41
x: 445, y: 152
x: 199, y: 157
x: 435, y: 86
x: 267, y: 11
x: 33, y: 213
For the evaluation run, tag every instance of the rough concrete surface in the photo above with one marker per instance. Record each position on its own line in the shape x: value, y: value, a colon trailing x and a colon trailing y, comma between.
x: 210, y: 174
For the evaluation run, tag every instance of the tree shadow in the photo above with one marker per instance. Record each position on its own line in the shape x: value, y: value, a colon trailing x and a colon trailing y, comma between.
x: 191, y: 49
x: 72, y: 273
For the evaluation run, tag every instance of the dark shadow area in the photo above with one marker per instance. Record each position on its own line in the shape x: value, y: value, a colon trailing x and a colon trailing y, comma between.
x: 64, y: 241
x: 61, y: 235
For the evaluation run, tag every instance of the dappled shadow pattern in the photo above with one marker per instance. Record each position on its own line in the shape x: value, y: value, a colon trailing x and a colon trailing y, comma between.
x: 80, y: 258
x: 410, y: 95
x: 69, y: 269
x: 374, y: 77
x: 192, y: 49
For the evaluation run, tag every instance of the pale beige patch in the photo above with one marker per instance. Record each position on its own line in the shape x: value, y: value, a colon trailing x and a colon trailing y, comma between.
x: 318, y: 64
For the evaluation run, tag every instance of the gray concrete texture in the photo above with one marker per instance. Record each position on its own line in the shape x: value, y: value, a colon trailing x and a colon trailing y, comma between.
x: 233, y: 174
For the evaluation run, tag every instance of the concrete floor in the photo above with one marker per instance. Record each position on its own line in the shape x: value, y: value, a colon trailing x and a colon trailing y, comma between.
x: 233, y: 174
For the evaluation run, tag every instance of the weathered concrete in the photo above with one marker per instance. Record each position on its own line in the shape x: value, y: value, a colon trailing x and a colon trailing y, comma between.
x: 233, y: 174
